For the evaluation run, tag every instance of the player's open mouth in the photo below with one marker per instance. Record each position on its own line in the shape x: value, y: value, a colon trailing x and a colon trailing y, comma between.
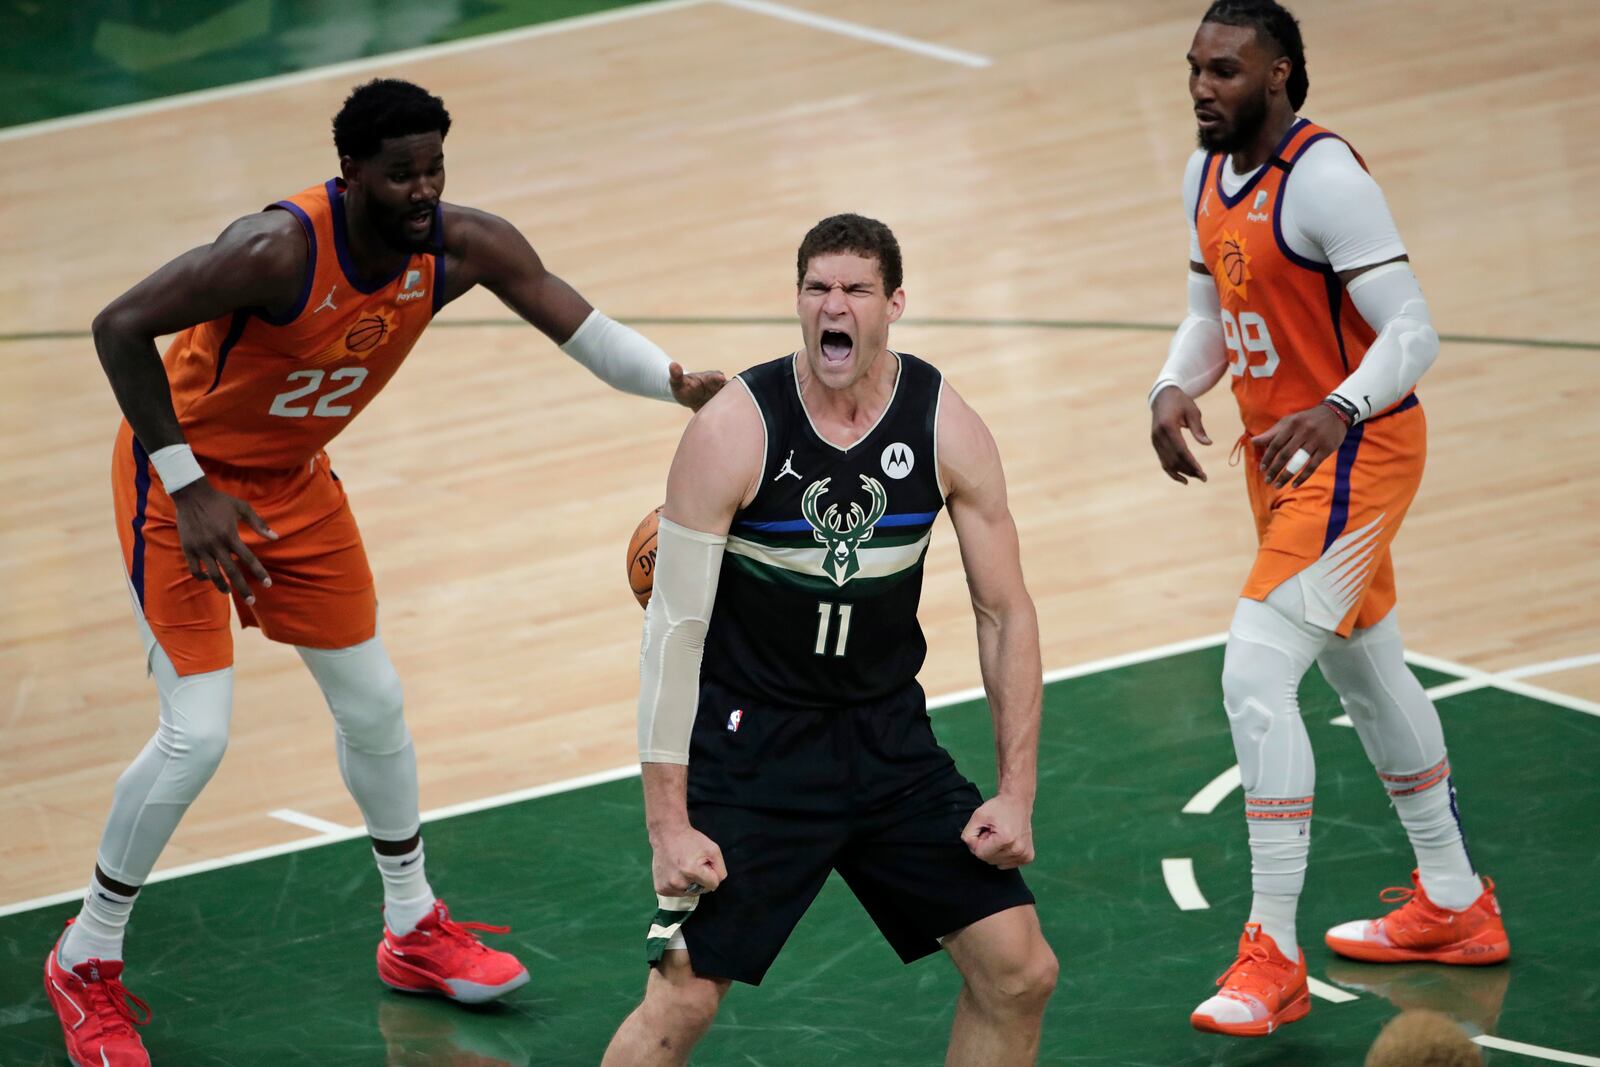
x: 1207, y: 118
x: 420, y: 220
x: 836, y: 346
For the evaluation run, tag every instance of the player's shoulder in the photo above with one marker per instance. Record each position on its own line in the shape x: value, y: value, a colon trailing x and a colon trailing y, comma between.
x: 466, y: 228
x: 1329, y: 162
x: 1193, y: 172
x: 270, y: 243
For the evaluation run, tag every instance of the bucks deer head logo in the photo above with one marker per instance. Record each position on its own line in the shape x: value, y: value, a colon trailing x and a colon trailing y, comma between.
x: 843, y: 534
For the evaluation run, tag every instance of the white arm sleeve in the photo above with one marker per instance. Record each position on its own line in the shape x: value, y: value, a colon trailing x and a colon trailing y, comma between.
x: 688, y: 563
x: 621, y: 357
x: 1197, y: 357
x: 1390, y: 299
x: 1334, y: 211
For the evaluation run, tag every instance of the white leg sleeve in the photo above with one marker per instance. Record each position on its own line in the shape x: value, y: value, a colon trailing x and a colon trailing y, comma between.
x: 174, y: 766
x: 1270, y: 648
x: 376, y: 756
x: 1399, y: 728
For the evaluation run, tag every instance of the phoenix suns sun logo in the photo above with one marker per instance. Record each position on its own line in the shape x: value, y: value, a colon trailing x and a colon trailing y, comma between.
x: 1234, y: 262
x: 361, y: 339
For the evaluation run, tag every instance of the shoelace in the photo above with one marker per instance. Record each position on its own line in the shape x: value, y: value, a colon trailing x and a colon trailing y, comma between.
x: 1253, y: 954
x: 122, y: 1004
x: 460, y: 931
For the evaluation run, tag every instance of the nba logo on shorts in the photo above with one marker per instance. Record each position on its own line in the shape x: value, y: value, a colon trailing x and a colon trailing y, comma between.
x: 735, y: 717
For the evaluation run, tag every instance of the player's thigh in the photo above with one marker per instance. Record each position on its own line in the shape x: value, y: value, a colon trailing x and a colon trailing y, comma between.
x: 322, y: 593
x: 777, y: 862
x: 915, y: 876
x: 1005, y: 953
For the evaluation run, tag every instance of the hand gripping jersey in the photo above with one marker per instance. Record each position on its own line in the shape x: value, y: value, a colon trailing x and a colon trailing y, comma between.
x: 255, y: 391
x: 1293, y: 335
x: 817, y: 600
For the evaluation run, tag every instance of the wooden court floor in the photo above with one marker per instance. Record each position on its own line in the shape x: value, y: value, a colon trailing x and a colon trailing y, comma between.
x: 667, y: 163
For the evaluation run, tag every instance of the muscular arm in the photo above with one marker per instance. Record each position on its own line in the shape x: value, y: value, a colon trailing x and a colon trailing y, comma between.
x: 493, y: 253
x: 258, y: 261
x: 716, y: 468
x: 1008, y: 628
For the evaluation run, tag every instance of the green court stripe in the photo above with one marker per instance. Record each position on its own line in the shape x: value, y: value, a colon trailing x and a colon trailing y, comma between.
x: 960, y: 324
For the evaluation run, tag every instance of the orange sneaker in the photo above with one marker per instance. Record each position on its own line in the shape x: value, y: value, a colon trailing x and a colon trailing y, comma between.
x: 1260, y: 992
x: 442, y: 956
x: 1421, y: 930
x: 96, y: 1012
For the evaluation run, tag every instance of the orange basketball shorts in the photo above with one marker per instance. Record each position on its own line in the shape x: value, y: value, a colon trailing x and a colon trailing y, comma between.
x: 322, y: 594
x: 1336, y: 529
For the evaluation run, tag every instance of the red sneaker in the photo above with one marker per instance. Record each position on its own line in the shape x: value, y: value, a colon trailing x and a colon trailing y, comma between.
x: 96, y: 1012
x: 442, y: 956
x: 1421, y: 930
x: 1260, y: 992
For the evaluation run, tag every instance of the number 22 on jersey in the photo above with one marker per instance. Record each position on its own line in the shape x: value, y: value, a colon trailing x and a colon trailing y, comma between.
x: 284, y: 403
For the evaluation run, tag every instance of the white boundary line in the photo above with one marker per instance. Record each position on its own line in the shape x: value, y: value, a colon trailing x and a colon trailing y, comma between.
x: 1509, y: 680
x: 1185, y: 891
x: 310, y: 822
x: 614, y: 774
x: 1503, y: 1045
x: 1214, y: 792
x: 488, y: 40
x: 1332, y: 994
x: 353, y: 66
x: 862, y: 33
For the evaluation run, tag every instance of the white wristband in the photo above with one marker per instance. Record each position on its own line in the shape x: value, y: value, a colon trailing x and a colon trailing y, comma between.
x: 176, y: 466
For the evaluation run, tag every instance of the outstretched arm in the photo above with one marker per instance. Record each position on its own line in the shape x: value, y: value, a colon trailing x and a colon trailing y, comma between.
x: 1000, y: 832
x: 495, y: 254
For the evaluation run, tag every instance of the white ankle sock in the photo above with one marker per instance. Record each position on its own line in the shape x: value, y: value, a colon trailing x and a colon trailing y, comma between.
x: 407, y: 897
x: 97, y: 932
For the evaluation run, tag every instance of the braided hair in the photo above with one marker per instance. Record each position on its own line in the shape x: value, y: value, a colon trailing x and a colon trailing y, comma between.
x: 1274, y: 24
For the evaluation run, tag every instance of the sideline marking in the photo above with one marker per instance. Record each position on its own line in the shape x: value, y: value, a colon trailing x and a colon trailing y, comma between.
x: 1539, y: 1051
x: 310, y: 822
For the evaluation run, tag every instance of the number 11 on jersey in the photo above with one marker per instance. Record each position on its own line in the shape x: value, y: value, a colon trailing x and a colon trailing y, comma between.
x: 824, y: 617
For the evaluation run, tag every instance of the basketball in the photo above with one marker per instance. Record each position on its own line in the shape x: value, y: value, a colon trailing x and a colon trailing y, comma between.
x: 642, y: 557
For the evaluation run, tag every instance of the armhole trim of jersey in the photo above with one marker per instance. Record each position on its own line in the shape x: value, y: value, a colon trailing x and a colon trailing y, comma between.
x: 766, y: 445
x: 311, y: 265
x: 938, y: 467
x: 1283, y: 195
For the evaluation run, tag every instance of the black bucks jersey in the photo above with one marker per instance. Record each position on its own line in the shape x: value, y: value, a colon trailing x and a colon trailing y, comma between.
x: 817, y: 600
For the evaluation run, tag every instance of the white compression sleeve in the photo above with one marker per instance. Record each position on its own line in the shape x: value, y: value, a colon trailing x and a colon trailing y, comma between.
x: 688, y: 564
x: 1391, y: 301
x: 621, y: 357
x: 1197, y: 356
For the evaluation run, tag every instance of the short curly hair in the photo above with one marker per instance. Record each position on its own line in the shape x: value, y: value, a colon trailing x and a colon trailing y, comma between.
x: 1274, y: 25
x: 385, y: 108
x: 857, y: 235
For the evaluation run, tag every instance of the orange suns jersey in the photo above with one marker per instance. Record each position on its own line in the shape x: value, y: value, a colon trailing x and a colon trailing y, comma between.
x: 256, y: 391
x: 1292, y: 333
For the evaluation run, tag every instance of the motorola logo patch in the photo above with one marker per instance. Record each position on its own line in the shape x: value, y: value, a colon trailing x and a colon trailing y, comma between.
x: 898, y: 460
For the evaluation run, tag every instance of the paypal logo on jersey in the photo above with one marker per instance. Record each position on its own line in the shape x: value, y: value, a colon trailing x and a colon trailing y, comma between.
x: 409, y: 290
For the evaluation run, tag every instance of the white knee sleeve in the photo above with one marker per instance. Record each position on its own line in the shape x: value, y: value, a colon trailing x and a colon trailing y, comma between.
x: 1397, y: 723
x: 169, y: 773
x: 1270, y: 648
x: 376, y: 756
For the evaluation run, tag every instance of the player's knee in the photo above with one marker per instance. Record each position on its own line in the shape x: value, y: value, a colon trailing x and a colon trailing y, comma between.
x: 681, y: 1007
x: 371, y: 717
x: 1022, y: 984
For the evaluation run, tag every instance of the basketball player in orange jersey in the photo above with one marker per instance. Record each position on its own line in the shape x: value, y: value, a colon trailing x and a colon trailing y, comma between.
x: 1300, y: 291
x: 287, y: 326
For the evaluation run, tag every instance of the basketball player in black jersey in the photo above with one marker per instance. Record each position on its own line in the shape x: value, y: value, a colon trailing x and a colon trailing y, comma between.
x: 782, y: 731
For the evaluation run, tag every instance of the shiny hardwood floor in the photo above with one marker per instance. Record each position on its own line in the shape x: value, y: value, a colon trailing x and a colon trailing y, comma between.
x: 667, y: 164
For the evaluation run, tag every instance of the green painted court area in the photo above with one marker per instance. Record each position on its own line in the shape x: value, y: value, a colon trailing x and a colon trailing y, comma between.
x: 271, y: 962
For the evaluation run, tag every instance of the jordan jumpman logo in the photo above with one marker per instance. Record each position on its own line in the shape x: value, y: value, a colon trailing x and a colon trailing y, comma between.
x: 788, y: 468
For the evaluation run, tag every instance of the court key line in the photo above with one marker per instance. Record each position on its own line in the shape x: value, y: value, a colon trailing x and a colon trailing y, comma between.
x: 861, y: 33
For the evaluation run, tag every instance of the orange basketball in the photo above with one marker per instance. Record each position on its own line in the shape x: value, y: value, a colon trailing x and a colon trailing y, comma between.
x: 642, y: 557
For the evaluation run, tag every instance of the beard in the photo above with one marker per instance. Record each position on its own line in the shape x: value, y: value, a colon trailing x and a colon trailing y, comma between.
x: 1241, y: 132
x: 394, y: 233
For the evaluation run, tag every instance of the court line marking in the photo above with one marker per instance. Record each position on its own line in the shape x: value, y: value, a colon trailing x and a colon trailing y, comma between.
x: 1178, y: 873
x: 1503, y: 1045
x: 310, y: 822
x: 862, y: 33
x: 350, y: 66
x: 1332, y: 994
x: 1214, y: 792
x: 1107, y: 663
